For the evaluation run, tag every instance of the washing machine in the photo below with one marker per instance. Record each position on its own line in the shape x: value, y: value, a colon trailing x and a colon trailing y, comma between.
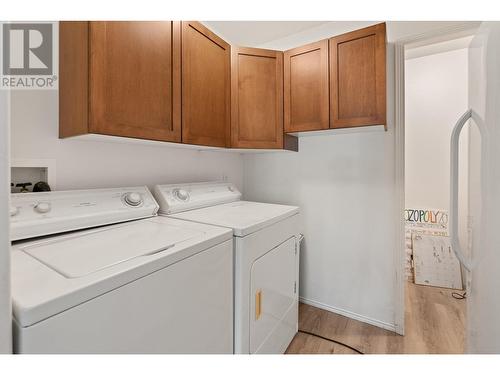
x: 266, y: 258
x: 134, y: 282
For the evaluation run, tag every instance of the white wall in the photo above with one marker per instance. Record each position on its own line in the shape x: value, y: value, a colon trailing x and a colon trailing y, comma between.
x: 88, y: 164
x: 344, y: 184
x: 5, y: 301
x: 436, y: 95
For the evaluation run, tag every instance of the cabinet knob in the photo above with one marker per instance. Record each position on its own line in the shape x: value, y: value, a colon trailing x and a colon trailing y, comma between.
x: 133, y: 199
x: 181, y: 194
x: 13, y: 210
x: 42, y: 207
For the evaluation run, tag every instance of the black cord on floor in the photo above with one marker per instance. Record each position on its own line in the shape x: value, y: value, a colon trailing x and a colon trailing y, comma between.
x: 331, y: 340
x: 457, y: 295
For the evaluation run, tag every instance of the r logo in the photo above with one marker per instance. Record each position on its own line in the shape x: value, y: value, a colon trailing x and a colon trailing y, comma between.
x: 27, y: 49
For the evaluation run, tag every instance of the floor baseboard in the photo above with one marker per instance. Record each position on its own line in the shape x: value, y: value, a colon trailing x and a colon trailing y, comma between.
x: 350, y: 314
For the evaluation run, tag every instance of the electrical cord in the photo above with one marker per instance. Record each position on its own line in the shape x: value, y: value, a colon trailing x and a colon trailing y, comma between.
x: 457, y: 295
x: 331, y: 340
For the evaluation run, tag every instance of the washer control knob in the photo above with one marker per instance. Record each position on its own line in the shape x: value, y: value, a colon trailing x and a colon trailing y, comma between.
x: 181, y: 194
x: 133, y: 199
x: 14, y: 210
x: 42, y: 207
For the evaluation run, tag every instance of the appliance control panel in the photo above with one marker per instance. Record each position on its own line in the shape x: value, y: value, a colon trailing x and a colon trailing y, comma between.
x: 184, y: 197
x: 39, y: 214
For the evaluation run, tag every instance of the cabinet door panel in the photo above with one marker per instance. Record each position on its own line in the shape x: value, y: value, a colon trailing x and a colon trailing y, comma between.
x: 73, y: 78
x: 306, y: 87
x: 135, y: 79
x: 257, y: 98
x: 205, y: 86
x: 357, y: 78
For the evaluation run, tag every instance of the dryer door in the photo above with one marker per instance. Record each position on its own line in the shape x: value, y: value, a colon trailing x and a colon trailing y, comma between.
x: 273, y: 299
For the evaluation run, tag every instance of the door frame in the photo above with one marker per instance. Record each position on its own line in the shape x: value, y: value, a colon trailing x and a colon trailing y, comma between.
x: 440, y: 35
x: 5, y: 293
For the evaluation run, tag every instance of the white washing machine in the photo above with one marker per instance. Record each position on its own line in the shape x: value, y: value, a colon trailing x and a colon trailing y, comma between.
x: 147, y: 285
x: 266, y: 258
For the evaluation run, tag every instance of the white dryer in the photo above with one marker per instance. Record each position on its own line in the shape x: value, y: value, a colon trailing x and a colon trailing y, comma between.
x: 266, y: 258
x: 147, y: 285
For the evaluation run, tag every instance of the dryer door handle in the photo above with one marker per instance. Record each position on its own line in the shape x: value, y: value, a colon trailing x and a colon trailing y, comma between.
x: 258, y: 304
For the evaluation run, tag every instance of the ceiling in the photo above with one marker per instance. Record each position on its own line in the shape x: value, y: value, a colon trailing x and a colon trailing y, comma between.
x: 283, y: 35
x: 255, y: 33
x: 445, y: 46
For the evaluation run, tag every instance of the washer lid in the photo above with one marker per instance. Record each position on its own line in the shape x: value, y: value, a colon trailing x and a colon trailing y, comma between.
x: 242, y: 216
x: 52, y: 275
x: 86, y: 253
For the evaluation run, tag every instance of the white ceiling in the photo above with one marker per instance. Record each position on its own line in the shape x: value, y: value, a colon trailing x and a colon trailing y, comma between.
x: 283, y: 35
x: 431, y: 49
x: 255, y: 33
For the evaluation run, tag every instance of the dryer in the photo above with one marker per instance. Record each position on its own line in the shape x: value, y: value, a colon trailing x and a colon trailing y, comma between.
x: 266, y: 258
x: 149, y: 284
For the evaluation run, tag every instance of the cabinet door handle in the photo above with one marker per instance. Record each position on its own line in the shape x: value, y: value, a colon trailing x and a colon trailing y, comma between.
x: 258, y: 304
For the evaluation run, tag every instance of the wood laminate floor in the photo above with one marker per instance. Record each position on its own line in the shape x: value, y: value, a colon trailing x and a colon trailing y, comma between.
x: 435, y: 324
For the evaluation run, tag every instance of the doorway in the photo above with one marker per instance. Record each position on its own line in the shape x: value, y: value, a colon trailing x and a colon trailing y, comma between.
x: 431, y: 94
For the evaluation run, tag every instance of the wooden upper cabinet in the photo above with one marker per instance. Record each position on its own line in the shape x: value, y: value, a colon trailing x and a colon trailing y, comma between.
x: 179, y: 82
x: 120, y: 78
x: 134, y: 83
x: 306, y: 87
x: 73, y: 78
x: 206, y: 89
x: 256, y: 98
x: 357, y: 78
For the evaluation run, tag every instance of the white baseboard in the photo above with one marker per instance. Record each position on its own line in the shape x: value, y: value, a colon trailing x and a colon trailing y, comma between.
x: 350, y: 314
